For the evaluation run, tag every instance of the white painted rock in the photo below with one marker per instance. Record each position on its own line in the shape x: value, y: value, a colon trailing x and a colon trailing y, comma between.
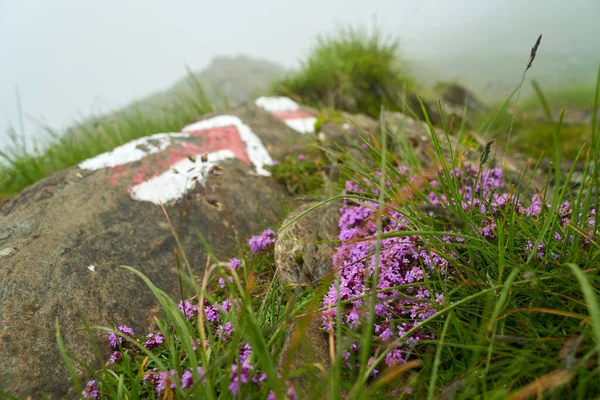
x: 173, y: 163
x: 63, y: 239
x: 288, y: 111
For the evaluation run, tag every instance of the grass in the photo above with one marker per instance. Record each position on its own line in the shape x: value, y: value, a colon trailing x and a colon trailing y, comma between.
x: 21, y: 166
x: 447, y: 283
x: 577, y: 95
x: 515, y: 312
x: 350, y: 70
x: 537, y: 121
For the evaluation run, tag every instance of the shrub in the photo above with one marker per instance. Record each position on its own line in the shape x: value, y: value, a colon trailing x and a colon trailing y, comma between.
x: 350, y: 70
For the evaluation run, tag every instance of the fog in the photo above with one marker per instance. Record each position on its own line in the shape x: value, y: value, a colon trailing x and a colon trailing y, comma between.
x: 71, y: 58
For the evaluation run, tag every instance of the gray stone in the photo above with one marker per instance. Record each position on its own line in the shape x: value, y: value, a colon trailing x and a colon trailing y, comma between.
x: 6, y: 252
x: 79, y: 218
x: 305, y: 247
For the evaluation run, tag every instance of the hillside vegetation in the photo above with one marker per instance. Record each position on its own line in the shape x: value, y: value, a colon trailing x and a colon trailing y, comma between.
x: 448, y: 282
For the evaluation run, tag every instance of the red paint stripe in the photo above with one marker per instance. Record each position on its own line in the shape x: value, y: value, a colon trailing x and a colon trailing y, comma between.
x: 223, y: 138
x: 292, y: 114
x: 211, y: 140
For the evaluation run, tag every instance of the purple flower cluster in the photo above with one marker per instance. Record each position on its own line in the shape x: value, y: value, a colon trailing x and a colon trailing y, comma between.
x: 406, y: 262
x: 115, y: 340
x: 263, y: 241
x: 115, y: 356
x: 403, y: 261
x: 188, y: 309
x: 242, y: 373
x: 154, y: 340
x: 234, y: 264
x: 163, y: 380
x: 91, y: 390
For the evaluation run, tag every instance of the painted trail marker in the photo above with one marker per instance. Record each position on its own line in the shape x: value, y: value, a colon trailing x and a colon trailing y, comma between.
x: 288, y: 111
x: 170, y: 164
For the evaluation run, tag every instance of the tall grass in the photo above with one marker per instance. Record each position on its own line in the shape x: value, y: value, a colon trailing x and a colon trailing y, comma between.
x: 536, y: 120
x: 21, y: 166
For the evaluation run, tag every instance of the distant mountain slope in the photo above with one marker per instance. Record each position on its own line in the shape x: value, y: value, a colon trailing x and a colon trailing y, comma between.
x: 235, y: 79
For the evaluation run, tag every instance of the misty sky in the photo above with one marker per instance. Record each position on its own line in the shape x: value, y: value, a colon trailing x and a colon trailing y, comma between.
x: 70, y: 58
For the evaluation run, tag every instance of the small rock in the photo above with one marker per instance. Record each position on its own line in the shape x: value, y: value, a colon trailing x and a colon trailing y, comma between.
x: 457, y: 96
x: 304, y: 249
x: 6, y: 252
x: 306, y: 345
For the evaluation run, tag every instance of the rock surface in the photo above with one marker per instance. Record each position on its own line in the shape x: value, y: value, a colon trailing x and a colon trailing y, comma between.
x: 458, y: 97
x: 304, y: 255
x: 305, y: 247
x: 63, y: 239
x: 306, y: 346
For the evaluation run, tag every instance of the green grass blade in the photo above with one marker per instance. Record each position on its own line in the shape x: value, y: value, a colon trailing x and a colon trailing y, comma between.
x: 591, y: 299
x: 542, y: 98
x: 66, y: 357
x: 437, y: 359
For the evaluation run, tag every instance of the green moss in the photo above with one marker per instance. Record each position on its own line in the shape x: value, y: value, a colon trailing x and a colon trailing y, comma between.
x: 299, y: 258
x: 326, y: 115
x: 536, y: 138
x: 300, y: 171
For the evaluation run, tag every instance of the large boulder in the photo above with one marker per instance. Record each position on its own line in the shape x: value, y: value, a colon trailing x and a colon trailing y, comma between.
x: 63, y: 239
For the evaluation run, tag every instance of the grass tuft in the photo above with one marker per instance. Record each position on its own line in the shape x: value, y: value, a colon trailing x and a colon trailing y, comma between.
x: 350, y: 70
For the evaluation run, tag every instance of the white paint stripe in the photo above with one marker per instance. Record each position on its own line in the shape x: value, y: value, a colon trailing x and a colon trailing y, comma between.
x: 130, y: 152
x: 171, y: 185
x: 302, y: 125
x: 275, y: 104
x: 279, y: 104
x: 257, y: 153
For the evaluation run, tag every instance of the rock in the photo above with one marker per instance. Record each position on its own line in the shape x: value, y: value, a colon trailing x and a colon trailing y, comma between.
x: 348, y: 128
x: 63, y: 239
x: 414, y: 108
x: 456, y: 97
x: 305, y: 346
x: 6, y: 252
x: 68, y: 234
x: 303, y: 255
x: 304, y: 249
x: 288, y: 111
